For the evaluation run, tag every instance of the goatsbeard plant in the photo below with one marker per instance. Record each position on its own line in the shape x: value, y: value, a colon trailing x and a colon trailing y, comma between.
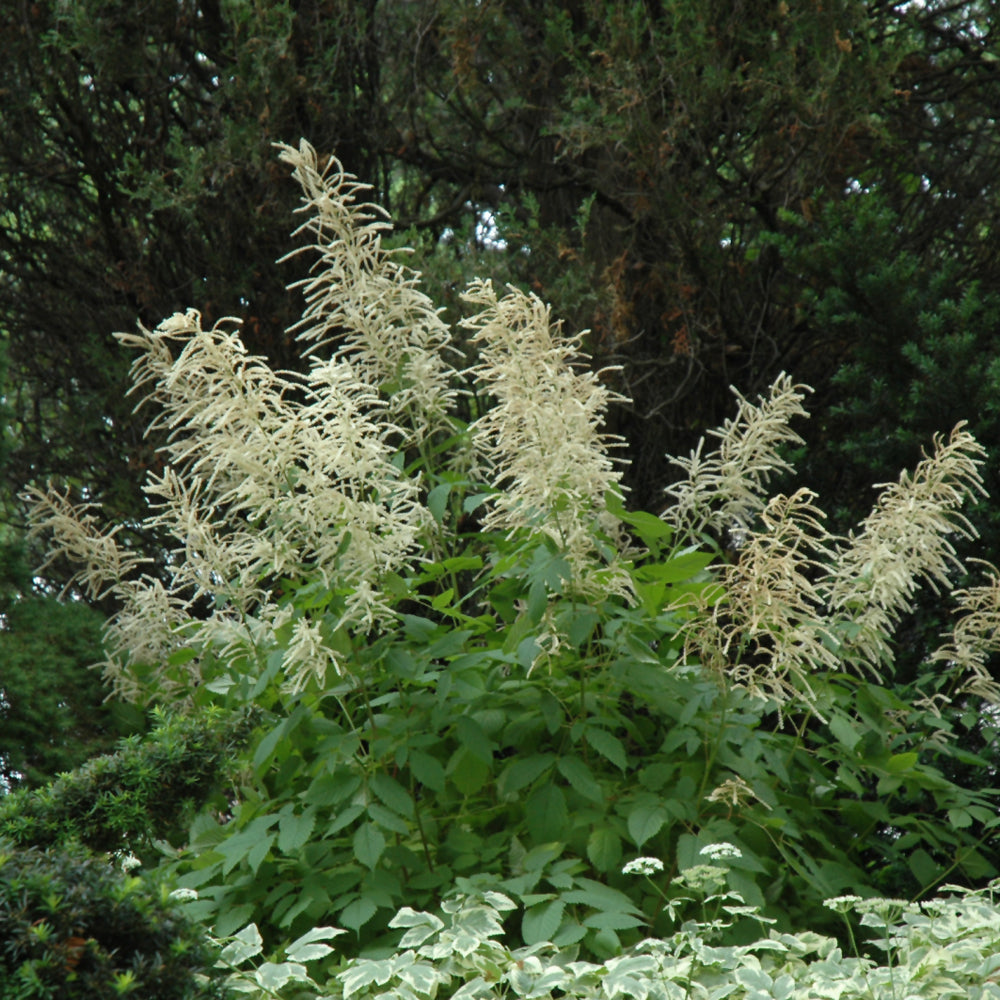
x: 532, y: 701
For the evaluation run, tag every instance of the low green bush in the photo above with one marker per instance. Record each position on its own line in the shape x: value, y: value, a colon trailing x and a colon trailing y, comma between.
x: 122, y: 801
x: 72, y: 927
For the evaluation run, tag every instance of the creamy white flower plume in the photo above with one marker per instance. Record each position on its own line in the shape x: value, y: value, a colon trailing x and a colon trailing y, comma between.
x: 799, y: 599
x: 270, y: 474
x: 904, y: 542
x: 267, y: 475
x: 77, y: 533
x: 542, y: 437
x: 359, y: 298
x: 765, y: 628
x: 975, y: 637
x: 724, y: 490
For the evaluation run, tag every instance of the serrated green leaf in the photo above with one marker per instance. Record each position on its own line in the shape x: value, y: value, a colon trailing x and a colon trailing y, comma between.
x: 540, y: 923
x: 600, y: 897
x: 959, y: 818
x: 437, y: 501
x: 266, y: 747
x: 576, y: 772
x: 328, y: 789
x: 924, y: 867
x: 472, y: 736
x: 427, y: 770
x: 538, y: 599
x: 471, y: 503
x: 678, y: 568
x: 523, y: 771
x: 392, y: 794
x: 607, y: 745
x: 844, y: 730
x: 230, y: 918
x: 644, y: 822
x: 612, y: 921
x: 220, y: 684
x: 236, y: 848
x: 547, y: 815
x: 900, y: 762
x: 259, y: 851
x: 369, y: 843
x: 345, y: 817
x: 581, y: 626
x: 294, y: 830
x: 467, y: 772
x: 355, y: 915
x: 604, y: 849
x: 387, y: 819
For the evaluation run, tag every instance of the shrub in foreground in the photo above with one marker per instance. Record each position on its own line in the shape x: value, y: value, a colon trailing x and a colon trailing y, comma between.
x: 72, y: 927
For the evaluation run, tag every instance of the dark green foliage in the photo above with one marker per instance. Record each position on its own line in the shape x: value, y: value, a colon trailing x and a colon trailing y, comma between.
x: 73, y: 928
x: 52, y: 710
x: 142, y: 179
x: 634, y: 158
x: 922, y: 358
x: 919, y: 356
x: 447, y: 756
x: 143, y: 791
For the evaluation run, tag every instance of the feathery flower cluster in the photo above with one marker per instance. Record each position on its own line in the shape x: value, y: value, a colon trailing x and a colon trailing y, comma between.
x: 766, y: 632
x: 975, y: 637
x: 724, y: 490
x: 75, y: 532
x: 261, y: 484
x: 267, y: 476
x: 359, y: 298
x: 270, y: 476
x: 549, y: 459
x: 800, y: 599
x: 904, y: 542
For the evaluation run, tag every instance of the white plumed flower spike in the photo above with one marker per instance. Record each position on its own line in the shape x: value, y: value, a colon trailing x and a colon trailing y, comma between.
x: 542, y: 438
x: 366, y: 304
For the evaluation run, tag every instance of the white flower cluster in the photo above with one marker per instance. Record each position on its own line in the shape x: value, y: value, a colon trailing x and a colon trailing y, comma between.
x: 268, y: 476
x: 906, y: 541
x: 643, y: 866
x: 725, y: 489
x: 719, y: 852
